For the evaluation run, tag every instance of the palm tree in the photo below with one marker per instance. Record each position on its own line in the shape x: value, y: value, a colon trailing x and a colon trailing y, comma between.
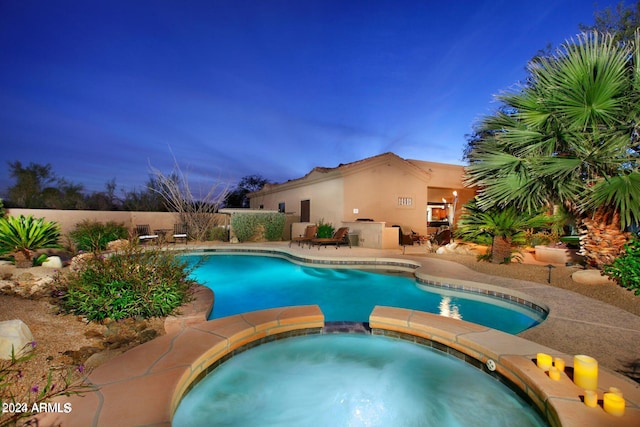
x: 569, y: 137
x: 501, y: 228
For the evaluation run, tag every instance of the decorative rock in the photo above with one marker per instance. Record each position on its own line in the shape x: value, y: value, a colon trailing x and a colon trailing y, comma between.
x: 16, y: 334
x: 117, y: 245
x: 78, y: 261
x: 53, y: 262
x: 590, y: 277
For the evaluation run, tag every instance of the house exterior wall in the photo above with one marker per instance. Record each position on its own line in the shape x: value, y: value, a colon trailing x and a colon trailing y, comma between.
x: 386, y: 193
x: 386, y: 189
x: 326, y: 200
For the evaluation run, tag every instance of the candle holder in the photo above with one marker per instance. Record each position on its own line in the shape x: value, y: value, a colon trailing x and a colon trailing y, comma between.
x: 613, y: 404
x: 585, y: 372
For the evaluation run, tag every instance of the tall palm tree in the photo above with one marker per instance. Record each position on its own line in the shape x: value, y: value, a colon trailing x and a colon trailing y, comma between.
x: 570, y: 136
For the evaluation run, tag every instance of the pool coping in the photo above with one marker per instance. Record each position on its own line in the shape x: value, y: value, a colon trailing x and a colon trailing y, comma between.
x: 143, y: 386
x: 153, y: 371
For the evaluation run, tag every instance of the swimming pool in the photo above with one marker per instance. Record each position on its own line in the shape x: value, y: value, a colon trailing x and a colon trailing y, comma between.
x: 243, y: 283
x: 350, y: 380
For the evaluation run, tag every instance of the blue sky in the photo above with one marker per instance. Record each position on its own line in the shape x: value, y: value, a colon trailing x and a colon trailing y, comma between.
x: 106, y: 89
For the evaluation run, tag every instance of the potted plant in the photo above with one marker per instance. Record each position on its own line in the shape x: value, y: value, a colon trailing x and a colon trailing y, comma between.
x: 21, y: 236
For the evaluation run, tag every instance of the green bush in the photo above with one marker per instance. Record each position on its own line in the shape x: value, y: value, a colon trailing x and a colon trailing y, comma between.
x: 626, y: 268
x: 131, y: 283
x: 93, y: 236
x: 325, y: 230
x: 246, y: 225
x: 273, y: 226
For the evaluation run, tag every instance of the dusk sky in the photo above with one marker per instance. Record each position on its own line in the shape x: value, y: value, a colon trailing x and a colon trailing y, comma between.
x: 106, y: 89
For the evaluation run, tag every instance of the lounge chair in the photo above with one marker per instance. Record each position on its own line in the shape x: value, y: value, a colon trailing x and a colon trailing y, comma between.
x: 308, y: 236
x: 340, y: 237
x: 143, y: 232
x: 180, y: 232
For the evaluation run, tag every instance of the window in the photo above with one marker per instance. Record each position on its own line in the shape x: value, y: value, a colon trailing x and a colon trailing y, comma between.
x: 281, y: 207
x: 437, y: 214
x: 405, y: 201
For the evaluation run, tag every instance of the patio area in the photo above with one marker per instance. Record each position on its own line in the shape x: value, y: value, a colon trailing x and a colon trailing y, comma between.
x: 144, y: 385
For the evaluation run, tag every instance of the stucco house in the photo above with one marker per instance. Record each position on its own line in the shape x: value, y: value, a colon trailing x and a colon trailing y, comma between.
x: 372, y: 195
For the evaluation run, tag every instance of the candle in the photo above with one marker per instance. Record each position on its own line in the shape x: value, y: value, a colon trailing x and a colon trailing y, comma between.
x: 585, y: 372
x: 554, y: 373
x: 613, y: 404
x: 559, y: 364
x: 616, y: 391
x: 590, y: 398
x: 543, y: 361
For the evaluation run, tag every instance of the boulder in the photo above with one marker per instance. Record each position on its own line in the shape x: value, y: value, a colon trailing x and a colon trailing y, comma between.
x: 16, y: 334
x: 117, y: 245
x: 53, y: 262
x: 590, y: 277
x: 77, y: 262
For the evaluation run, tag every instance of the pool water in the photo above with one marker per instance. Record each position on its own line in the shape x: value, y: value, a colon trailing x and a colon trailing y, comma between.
x: 350, y: 380
x: 244, y: 283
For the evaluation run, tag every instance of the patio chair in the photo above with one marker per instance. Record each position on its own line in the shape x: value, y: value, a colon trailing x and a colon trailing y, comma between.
x: 408, y: 237
x: 340, y: 237
x: 143, y: 231
x: 180, y: 232
x: 442, y: 237
x: 308, y: 236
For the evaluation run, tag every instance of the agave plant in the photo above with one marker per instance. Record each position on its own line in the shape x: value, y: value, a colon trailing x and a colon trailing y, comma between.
x: 22, y: 236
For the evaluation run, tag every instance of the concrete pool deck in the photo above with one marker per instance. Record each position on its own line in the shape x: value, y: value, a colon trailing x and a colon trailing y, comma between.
x: 143, y: 386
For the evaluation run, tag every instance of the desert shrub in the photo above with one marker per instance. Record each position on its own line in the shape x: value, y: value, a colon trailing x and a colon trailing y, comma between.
x: 131, y: 283
x: 273, y: 224
x: 93, y: 236
x: 626, y: 268
x: 245, y: 225
x: 218, y: 233
x: 325, y: 230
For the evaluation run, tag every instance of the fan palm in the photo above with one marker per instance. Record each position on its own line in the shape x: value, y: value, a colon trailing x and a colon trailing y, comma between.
x: 569, y: 136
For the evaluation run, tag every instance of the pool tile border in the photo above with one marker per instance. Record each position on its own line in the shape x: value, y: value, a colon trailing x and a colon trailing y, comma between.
x: 422, y: 278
